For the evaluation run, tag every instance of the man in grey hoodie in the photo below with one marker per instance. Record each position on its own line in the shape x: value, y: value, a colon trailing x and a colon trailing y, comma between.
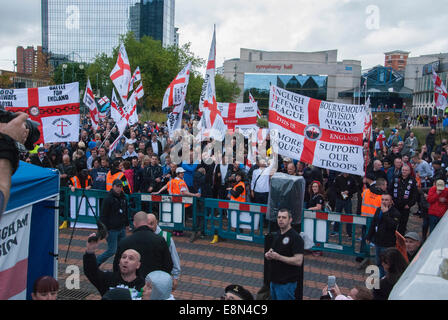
x: 158, y: 286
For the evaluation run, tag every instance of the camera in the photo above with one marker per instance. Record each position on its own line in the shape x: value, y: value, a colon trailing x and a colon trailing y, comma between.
x: 32, y: 126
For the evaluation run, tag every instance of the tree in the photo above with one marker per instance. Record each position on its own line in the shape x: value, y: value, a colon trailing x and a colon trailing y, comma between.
x: 5, y: 81
x: 226, y: 91
x: 73, y: 72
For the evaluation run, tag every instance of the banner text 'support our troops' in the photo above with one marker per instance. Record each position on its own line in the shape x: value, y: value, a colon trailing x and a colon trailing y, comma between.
x: 325, y: 134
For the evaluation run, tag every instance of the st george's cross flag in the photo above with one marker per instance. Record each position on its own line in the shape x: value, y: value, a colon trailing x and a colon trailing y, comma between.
x: 56, y: 108
x: 137, y: 76
x: 242, y: 116
x: 116, y: 111
x: 211, y: 124
x: 440, y: 93
x: 121, y: 74
x: 324, y: 134
x: 252, y: 100
x: 89, y: 100
x: 177, y: 90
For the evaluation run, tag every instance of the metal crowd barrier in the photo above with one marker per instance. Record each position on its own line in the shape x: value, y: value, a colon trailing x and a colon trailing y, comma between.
x: 318, y: 226
x: 229, y: 219
x: 234, y: 220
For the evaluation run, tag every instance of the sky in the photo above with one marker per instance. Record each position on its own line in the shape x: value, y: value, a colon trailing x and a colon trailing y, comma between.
x: 359, y: 29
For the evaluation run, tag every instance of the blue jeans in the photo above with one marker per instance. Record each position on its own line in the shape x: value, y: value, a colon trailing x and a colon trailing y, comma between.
x: 346, y: 206
x: 433, y: 221
x: 378, y: 251
x: 283, y: 291
x: 113, y: 237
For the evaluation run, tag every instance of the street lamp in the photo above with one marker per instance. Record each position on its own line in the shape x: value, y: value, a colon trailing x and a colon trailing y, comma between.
x: 64, y: 67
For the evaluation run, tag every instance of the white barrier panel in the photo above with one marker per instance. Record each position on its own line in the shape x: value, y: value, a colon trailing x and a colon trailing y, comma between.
x: 82, y: 210
x: 244, y: 217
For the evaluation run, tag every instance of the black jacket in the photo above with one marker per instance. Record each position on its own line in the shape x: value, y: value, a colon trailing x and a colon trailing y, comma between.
x: 402, y: 187
x: 342, y: 183
x: 382, y: 230
x: 153, y: 250
x: 103, y: 281
x: 114, y: 213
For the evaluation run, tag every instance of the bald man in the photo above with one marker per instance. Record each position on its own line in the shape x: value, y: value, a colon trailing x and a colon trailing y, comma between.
x: 153, y: 249
x: 126, y: 277
x: 153, y: 224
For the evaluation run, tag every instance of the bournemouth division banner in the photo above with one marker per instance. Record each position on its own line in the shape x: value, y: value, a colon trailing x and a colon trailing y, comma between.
x: 56, y: 108
x: 239, y: 115
x: 325, y: 134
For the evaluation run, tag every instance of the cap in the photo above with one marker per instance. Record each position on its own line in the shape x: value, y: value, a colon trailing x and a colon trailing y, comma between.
x: 440, y: 185
x: 180, y: 170
x: 238, y: 290
x: 117, y: 182
x: 41, y: 149
x: 413, y: 235
x: 437, y: 162
x: 117, y: 294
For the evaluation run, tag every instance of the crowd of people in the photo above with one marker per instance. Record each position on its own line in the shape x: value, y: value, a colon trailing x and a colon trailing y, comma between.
x: 404, y: 176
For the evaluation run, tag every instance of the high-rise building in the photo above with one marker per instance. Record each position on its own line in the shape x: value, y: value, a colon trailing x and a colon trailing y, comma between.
x: 79, y: 30
x: 30, y: 60
x: 396, y: 60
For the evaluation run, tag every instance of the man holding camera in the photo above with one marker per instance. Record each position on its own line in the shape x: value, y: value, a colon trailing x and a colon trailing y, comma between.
x: 13, y: 131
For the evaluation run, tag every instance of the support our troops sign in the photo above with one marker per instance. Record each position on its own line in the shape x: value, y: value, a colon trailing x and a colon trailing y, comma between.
x: 325, y: 134
x: 56, y: 108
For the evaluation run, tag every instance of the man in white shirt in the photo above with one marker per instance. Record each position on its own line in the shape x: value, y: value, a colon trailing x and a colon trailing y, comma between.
x: 156, y: 145
x: 260, y: 183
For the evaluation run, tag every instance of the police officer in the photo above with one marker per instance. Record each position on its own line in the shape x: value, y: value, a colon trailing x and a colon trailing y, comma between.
x: 404, y: 193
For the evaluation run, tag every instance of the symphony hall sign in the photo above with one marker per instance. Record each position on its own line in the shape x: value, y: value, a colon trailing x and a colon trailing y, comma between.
x: 276, y: 67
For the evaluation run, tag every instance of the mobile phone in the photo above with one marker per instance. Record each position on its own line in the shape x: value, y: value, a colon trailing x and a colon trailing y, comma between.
x: 331, y: 282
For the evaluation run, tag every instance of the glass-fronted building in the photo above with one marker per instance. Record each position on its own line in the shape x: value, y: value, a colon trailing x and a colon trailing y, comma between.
x: 258, y: 85
x: 423, y: 100
x: 78, y: 30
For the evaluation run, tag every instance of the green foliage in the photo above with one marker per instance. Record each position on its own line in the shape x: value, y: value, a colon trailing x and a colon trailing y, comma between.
x: 73, y: 72
x: 158, y: 67
x: 226, y: 91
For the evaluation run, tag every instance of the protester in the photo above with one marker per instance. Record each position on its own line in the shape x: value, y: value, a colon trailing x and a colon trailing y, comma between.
x: 175, y: 272
x: 158, y: 286
x: 413, y: 243
x: 153, y: 249
x: 236, y: 292
x: 438, y: 203
x: 125, y: 277
x: 45, y: 288
x: 394, y: 264
x: 114, y: 215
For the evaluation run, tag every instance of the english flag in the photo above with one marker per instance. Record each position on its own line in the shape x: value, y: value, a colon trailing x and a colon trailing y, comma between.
x: 177, y: 90
x: 104, y: 100
x: 137, y: 76
x: 121, y: 74
x: 211, y: 124
x: 116, y: 112
x: 256, y: 138
x: 89, y: 100
x: 252, y: 100
x: 440, y: 93
x: 325, y: 134
x: 368, y: 134
x: 56, y: 108
x: 242, y: 116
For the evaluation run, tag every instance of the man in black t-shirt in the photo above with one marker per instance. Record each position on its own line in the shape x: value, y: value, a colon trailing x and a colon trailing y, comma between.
x: 286, y: 260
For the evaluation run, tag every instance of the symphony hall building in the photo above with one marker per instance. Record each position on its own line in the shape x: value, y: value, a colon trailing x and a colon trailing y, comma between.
x: 314, y: 74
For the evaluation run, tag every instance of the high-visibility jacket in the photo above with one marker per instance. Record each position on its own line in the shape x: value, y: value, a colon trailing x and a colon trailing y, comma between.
x: 75, y: 182
x: 242, y: 196
x: 370, y: 202
x: 111, y: 177
x: 175, y: 187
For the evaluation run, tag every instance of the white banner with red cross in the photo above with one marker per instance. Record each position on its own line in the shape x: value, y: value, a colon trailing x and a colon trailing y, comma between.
x: 242, y: 116
x: 325, y: 134
x: 56, y: 108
